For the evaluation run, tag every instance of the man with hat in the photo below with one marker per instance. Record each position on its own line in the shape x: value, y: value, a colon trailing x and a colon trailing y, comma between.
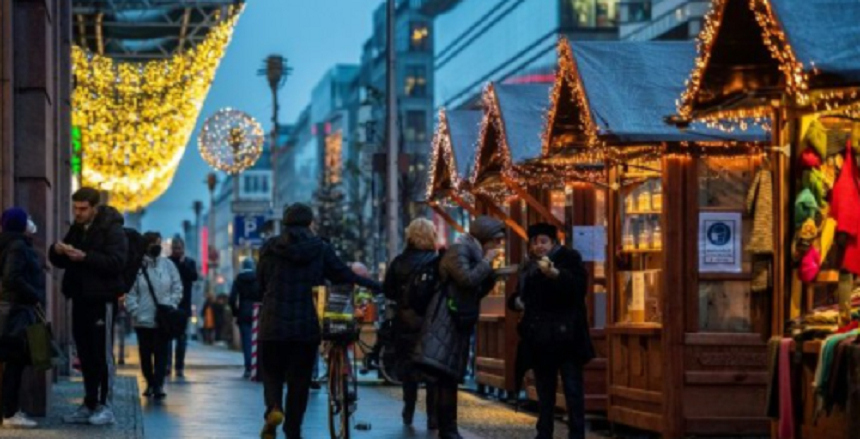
x: 290, y: 266
x: 554, y: 334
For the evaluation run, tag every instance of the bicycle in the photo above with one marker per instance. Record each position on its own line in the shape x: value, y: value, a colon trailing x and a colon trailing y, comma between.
x: 381, y: 356
x: 340, y: 333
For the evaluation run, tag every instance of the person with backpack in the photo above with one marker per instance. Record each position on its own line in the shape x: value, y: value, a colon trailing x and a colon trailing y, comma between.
x: 466, y: 276
x: 94, y: 255
x: 23, y: 290
x: 244, y: 296
x: 158, y: 283
x: 188, y: 272
x: 554, y: 334
x: 411, y: 281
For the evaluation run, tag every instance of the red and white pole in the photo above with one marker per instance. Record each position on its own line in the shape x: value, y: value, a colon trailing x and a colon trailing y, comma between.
x: 255, y: 329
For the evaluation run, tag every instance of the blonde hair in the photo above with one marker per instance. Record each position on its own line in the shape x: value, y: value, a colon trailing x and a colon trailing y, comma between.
x: 421, y: 234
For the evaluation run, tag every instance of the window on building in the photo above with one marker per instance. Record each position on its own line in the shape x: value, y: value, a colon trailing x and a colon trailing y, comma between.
x: 588, y: 13
x: 416, y: 126
x: 416, y: 81
x: 419, y: 37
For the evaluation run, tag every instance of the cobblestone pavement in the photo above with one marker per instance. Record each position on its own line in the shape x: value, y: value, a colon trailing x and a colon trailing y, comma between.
x: 66, y: 397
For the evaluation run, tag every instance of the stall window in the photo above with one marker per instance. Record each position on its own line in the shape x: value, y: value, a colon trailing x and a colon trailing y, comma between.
x: 727, y: 302
x: 640, y: 260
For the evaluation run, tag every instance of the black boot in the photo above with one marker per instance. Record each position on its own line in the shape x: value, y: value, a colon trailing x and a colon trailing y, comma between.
x: 432, y: 407
x: 410, y: 398
x: 408, y: 414
x: 447, y: 412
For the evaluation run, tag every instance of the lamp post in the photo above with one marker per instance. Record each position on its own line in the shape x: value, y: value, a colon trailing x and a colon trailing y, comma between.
x: 276, y: 71
x: 393, y: 150
x: 198, y: 209
x: 212, y: 183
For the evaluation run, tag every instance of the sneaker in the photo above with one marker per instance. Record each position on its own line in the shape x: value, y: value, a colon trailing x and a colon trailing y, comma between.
x: 103, y: 415
x: 159, y: 394
x: 80, y: 416
x: 20, y: 420
x: 247, y: 374
x: 273, y: 420
x: 180, y: 373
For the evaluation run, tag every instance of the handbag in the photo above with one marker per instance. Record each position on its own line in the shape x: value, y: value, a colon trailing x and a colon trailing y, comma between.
x: 169, y: 320
x: 44, y: 351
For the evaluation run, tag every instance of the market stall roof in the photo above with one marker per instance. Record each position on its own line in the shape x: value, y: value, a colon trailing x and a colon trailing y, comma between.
x: 453, y: 150
x: 511, y: 129
x: 128, y: 30
x: 751, y: 51
x: 631, y: 87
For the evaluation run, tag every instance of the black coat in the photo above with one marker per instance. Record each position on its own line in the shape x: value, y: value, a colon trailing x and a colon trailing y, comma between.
x: 552, y: 302
x: 23, y: 276
x: 397, y: 280
x: 188, y: 273
x: 467, y: 278
x: 99, y: 277
x: 244, y: 294
x: 291, y: 265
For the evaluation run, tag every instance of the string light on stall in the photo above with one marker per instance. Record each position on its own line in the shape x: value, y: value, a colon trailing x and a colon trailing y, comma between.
x: 707, y: 37
x: 774, y: 38
x: 231, y: 141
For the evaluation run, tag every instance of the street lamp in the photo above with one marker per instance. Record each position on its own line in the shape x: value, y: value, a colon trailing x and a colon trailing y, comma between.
x: 198, y: 209
x: 276, y: 70
x: 212, y: 183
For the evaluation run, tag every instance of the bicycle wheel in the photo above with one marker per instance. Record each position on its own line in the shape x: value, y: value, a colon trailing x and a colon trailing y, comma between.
x: 338, y: 394
x: 388, y: 366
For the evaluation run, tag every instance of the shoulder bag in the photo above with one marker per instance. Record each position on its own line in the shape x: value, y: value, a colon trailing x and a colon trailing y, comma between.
x: 169, y: 320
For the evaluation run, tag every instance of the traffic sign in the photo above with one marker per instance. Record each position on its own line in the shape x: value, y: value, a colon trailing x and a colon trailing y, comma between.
x: 247, y: 229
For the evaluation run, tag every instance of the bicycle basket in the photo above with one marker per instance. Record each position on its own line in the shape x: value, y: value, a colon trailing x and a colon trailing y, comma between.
x: 338, y: 319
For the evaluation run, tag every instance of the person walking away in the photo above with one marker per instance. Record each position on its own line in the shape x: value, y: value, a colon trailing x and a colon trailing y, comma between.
x: 224, y: 320
x: 467, y: 276
x: 158, y: 283
x: 244, y: 296
x: 554, y: 327
x: 207, y: 313
x: 410, y: 281
x: 291, y: 265
x: 187, y: 268
x: 23, y: 290
x: 93, y: 254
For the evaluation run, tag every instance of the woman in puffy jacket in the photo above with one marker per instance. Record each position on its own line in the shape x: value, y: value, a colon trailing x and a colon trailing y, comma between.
x: 158, y: 277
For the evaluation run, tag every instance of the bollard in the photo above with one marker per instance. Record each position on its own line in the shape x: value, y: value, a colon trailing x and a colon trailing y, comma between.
x: 255, y: 328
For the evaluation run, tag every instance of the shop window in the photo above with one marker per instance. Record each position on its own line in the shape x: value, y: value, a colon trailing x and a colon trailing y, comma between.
x: 419, y: 37
x: 640, y: 264
x: 416, y: 126
x: 416, y: 81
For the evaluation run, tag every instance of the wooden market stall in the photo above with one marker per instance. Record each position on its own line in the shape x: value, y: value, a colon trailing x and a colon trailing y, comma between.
x: 797, y: 64
x: 685, y: 342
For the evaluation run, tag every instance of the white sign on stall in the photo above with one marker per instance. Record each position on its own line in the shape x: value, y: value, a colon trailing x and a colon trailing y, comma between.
x: 720, y: 249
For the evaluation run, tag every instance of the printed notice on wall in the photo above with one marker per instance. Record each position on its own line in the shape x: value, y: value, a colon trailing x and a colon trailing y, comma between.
x: 590, y: 242
x: 720, y: 248
x: 637, y: 300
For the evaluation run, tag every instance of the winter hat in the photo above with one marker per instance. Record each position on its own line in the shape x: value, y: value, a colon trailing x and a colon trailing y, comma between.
x: 810, y: 265
x: 809, y: 230
x: 805, y: 207
x: 298, y: 214
x: 543, y: 229
x: 816, y: 138
x: 809, y: 159
x: 248, y: 264
x: 486, y: 228
x: 814, y: 181
x: 14, y: 220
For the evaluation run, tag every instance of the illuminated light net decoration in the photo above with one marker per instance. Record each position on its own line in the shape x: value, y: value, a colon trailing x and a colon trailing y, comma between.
x: 231, y: 141
x: 136, y: 118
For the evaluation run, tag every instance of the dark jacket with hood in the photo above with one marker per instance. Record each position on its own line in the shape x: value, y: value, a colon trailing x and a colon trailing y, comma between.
x: 467, y: 279
x: 99, y: 277
x: 244, y: 294
x: 291, y: 265
x: 187, y: 268
x: 23, y: 276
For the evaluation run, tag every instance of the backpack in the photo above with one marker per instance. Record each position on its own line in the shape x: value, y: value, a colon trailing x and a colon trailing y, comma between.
x: 133, y: 258
x: 424, y: 283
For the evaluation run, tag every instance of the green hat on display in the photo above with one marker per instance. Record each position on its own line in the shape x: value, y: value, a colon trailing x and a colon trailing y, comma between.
x: 805, y: 207
x: 816, y: 138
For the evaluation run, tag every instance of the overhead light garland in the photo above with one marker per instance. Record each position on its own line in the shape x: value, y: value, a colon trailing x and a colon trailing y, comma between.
x: 231, y: 140
x: 136, y: 118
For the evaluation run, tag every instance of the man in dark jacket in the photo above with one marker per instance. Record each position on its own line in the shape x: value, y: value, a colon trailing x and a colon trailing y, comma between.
x: 244, y: 295
x: 93, y: 254
x: 467, y: 274
x: 554, y: 330
x: 291, y: 265
x: 187, y: 268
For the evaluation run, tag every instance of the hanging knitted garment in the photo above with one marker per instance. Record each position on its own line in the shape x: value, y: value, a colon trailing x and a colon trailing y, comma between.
x: 760, y: 204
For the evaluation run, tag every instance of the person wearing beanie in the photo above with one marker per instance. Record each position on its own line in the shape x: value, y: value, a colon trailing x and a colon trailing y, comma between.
x: 244, y: 296
x: 466, y: 270
x: 291, y: 265
x: 554, y: 334
x: 23, y: 288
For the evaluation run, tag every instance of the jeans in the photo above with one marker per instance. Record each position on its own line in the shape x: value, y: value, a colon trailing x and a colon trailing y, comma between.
x: 546, y: 373
x: 245, y: 331
x: 153, y: 347
x: 181, y: 345
x: 292, y: 362
x: 92, y: 329
x: 12, y: 373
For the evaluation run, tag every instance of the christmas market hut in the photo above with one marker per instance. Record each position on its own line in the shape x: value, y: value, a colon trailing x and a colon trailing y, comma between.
x: 681, y: 336
x: 795, y: 65
x: 451, y: 162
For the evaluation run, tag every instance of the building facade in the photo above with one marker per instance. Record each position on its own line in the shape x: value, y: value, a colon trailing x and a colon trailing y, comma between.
x: 643, y: 20
x: 514, y: 40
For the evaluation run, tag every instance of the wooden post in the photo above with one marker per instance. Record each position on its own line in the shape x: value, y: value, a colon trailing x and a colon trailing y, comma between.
x: 536, y: 205
x: 498, y: 212
x: 451, y: 222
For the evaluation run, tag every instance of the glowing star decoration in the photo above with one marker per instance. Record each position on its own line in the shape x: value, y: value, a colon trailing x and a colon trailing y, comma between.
x: 136, y: 118
x: 231, y: 141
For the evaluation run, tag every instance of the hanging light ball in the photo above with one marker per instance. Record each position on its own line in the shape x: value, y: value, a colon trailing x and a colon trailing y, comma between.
x: 231, y: 141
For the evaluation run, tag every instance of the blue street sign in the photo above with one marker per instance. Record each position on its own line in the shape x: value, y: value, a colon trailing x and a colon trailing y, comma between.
x: 247, y: 229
